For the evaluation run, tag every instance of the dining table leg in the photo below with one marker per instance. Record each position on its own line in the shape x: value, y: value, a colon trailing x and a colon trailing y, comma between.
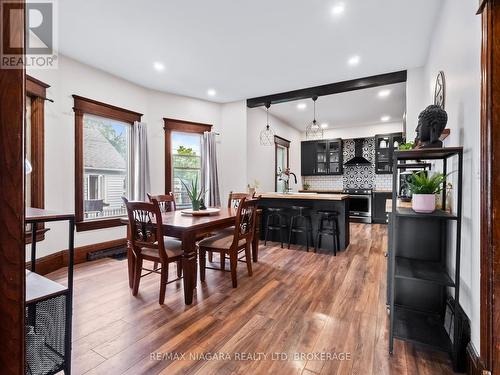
x: 189, y: 265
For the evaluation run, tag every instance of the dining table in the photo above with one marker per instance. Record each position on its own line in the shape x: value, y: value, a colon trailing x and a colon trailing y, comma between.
x: 190, y: 228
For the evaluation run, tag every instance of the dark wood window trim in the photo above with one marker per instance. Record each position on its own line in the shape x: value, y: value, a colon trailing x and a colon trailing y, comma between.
x: 490, y: 186
x: 180, y: 126
x: 88, y: 106
x: 279, y: 141
x: 12, y: 247
x: 37, y: 91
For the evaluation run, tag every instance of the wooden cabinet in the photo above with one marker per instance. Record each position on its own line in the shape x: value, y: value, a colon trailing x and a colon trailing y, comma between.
x: 322, y: 158
x: 379, y: 215
x: 385, y: 144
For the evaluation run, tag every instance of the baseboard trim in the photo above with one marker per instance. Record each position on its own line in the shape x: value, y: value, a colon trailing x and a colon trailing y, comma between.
x: 53, y: 262
x: 475, y: 365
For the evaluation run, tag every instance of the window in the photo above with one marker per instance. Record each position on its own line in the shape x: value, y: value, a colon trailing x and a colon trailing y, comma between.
x: 281, y: 160
x: 186, y: 164
x: 182, y: 156
x: 35, y: 149
x: 106, y: 157
x: 103, y: 160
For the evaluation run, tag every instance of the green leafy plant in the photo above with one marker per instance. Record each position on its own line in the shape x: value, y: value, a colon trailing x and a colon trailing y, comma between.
x: 254, y: 185
x: 406, y: 146
x: 185, y: 151
x: 193, y: 191
x: 420, y: 183
x: 306, y: 186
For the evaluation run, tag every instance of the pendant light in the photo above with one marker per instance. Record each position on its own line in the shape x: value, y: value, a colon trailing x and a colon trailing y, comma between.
x: 267, y: 134
x: 313, y: 130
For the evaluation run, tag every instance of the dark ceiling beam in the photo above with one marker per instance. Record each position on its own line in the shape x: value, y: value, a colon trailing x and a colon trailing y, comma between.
x: 332, y: 88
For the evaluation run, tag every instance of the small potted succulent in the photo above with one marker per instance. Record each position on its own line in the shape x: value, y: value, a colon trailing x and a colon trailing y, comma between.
x: 252, y: 188
x: 194, y: 193
x: 424, y: 189
x: 306, y: 186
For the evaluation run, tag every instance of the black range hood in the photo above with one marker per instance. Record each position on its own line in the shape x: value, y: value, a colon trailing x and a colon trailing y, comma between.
x: 358, y: 158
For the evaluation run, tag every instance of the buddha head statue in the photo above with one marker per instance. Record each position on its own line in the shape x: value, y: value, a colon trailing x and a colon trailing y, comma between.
x: 431, y: 123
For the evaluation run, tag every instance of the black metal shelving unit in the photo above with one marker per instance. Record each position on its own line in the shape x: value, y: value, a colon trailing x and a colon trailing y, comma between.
x: 417, y: 273
x: 48, y: 306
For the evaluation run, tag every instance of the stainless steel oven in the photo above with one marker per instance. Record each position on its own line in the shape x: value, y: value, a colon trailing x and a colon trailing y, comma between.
x: 360, y: 205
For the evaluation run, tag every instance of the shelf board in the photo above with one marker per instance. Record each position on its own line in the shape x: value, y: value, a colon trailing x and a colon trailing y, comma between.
x: 420, y: 328
x: 427, y: 153
x: 437, y: 214
x: 432, y: 272
x: 39, y: 287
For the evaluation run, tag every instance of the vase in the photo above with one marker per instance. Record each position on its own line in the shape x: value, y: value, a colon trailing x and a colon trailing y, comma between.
x: 251, y: 191
x: 195, y: 205
x: 424, y: 203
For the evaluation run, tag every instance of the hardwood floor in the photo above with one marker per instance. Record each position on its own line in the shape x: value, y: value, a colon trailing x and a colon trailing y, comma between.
x: 296, y: 304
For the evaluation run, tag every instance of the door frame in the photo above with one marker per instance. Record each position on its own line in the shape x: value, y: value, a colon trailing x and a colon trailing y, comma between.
x: 12, y: 247
x: 490, y: 186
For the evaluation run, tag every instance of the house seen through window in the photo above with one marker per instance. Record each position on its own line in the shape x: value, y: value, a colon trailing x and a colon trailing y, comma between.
x: 186, y: 164
x: 106, y: 155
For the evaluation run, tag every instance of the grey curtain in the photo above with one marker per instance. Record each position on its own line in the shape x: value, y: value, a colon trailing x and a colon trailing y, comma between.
x: 140, y: 162
x: 209, y: 174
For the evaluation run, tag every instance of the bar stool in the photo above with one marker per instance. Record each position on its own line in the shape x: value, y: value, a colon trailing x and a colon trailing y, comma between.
x: 301, y: 222
x: 276, y: 220
x: 330, y: 229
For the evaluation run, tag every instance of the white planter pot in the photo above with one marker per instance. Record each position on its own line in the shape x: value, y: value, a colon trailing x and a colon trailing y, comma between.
x: 424, y: 203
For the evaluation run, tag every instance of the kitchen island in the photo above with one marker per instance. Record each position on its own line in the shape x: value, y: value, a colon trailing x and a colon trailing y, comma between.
x: 315, y: 202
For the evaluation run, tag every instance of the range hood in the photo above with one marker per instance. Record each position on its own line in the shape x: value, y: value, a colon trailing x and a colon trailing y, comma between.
x: 358, y: 158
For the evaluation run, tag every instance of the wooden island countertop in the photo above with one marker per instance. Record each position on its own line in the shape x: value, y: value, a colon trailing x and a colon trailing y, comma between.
x: 307, y: 196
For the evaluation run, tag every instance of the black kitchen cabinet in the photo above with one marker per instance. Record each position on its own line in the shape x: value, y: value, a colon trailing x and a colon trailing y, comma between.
x: 379, y: 215
x: 385, y: 144
x: 322, y: 157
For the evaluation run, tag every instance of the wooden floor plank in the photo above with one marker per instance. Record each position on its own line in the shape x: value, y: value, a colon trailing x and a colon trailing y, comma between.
x: 300, y: 313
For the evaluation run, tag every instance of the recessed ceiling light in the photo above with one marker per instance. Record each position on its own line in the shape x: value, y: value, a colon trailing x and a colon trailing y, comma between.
x: 354, y: 60
x: 211, y: 92
x: 159, y: 66
x: 385, y: 118
x: 301, y: 106
x: 384, y: 93
x: 324, y: 125
x: 338, y: 9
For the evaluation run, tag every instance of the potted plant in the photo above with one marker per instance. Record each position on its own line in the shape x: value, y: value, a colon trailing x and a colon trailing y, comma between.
x: 306, y: 186
x: 194, y: 193
x: 424, y: 190
x: 252, y: 188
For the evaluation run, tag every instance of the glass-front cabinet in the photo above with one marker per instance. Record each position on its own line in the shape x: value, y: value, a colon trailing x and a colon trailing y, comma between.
x: 385, y: 144
x: 320, y: 158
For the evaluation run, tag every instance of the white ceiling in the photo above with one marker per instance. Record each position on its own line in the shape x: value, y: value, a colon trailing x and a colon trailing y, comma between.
x: 244, y: 49
x: 353, y: 108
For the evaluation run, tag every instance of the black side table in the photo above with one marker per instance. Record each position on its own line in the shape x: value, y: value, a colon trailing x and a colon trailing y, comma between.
x: 48, y: 342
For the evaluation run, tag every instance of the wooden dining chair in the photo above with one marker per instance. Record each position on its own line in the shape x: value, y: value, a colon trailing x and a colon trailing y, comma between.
x: 232, y: 202
x: 146, y: 239
x: 232, y: 242
x: 166, y: 201
x: 235, y: 198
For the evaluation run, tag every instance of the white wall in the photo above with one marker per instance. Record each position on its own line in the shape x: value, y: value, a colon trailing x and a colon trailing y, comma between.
x: 362, y: 131
x: 416, y: 99
x: 456, y: 49
x: 261, y: 158
x: 74, y: 78
x: 232, y: 150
